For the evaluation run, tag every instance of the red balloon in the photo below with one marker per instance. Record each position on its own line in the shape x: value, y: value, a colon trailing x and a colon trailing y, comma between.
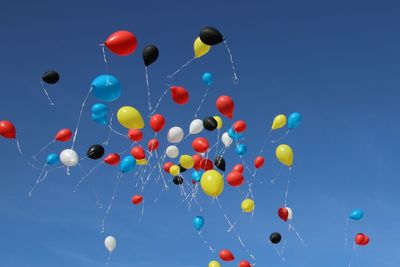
x: 167, y: 166
x: 366, y: 241
x: 136, y: 200
x: 259, y: 162
x: 138, y: 152
x: 238, y: 168
x: 283, y: 213
x: 244, y: 263
x: 153, y: 144
x: 122, y: 43
x: 135, y: 135
x: 239, y: 126
x: 235, y: 178
x: 179, y: 94
x: 361, y: 239
x: 157, y: 122
x: 200, y: 145
x: 197, y: 159
x: 226, y: 106
x: 226, y: 255
x: 206, y: 164
x: 63, y: 135
x: 112, y: 159
x: 7, y: 130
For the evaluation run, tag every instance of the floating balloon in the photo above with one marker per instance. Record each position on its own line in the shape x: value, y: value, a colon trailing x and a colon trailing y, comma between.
x: 210, y: 36
x: 112, y: 159
x: 200, y: 145
x: 285, y: 213
x: 178, y: 180
x: 138, y: 152
x: 179, y: 94
x: 142, y: 162
x: 63, y: 135
x: 181, y: 168
x: 153, y: 145
x: 234, y: 135
x: 175, y: 135
x: 212, y: 183
x: 356, y: 214
x: 100, y: 113
x: 244, y: 263
x: 51, y: 77
x: 226, y: 139
x: 174, y: 170
x: 196, y: 175
x: 186, y: 161
x: 219, y: 121
x: 259, y: 162
x: 150, y: 54
x: 241, y: 149
x: 196, y: 126
x: 7, y: 130
x: 238, y: 168
x: 197, y: 159
x: 172, y: 152
x: 110, y: 243
x: 69, y: 157
x: 200, y: 48
x: 95, y: 152
x: 239, y: 126
x: 135, y: 135
x: 207, y: 78
x: 167, y: 166
x: 130, y: 118
x: 275, y: 238
x: 226, y: 255
x: 106, y: 88
x: 294, y: 120
x: 127, y: 164
x: 157, y: 122
x: 361, y: 239
x: 137, y: 199
x: 247, y: 205
x: 198, y: 222
x: 284, y: 154
x: 214, y: 264
x: 219, y: 162
x: 122, y: 43
x: 279, y: 122
x: 235, y: 178
x: 225, y: 106
x: 52, y: 159
x: 206, y: 164
x: 210, y: 124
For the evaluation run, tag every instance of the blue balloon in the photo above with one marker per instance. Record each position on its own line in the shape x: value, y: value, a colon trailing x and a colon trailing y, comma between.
x: 52, y: 159
x: 294, y: 120
x: 198, y: 222
x: 207, y: 78
x: 241, y: 149
x: 234, y: 135
x: 356, y: 214
x: 106, y: 88
x: 100, y: 113
x: 196, y: 175
x: 127, y: 164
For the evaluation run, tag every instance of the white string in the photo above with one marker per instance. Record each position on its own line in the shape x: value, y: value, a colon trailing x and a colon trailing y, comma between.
x: 84, y: 177
x: 108, y: 258
x: 105, y: 143
x: 119, y: 175
x: 44, y: 148
x: 104, y: 56
x: 234, y: 77
x: 206, y: 242
x: 281, y: 138
x: 201, y: 103
x: 159, y: 101
x: 298, y: 235
x: 345, y: 231
x: 38, y: 180
x: 148, y: 89
x: 170, y: 76
x: 51, y: 103
x: 80, y: 116
x: 287, y: 190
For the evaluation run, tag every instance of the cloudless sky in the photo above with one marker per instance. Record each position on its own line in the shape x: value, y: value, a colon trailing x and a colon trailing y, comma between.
x: 335, y: 62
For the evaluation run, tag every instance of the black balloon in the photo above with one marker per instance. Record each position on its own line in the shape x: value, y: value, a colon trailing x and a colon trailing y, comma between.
x: 178, y: 180
x: 210, y: 123
x: 181, y: 169
x: 95, y: 152
x: 150, y: 54
x: 210, y: 36
x: 275, y: 238
x: 51, y: 77
x: 219, y: 162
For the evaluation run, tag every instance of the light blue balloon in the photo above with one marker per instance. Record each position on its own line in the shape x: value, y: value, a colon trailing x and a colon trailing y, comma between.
x: 234, y: 135
x: 100, y: 113
x: 294, y: 120
x: 52, y: 159
x: 127, y: 164
x: 207, y: 78
x: 196, y: 175
x: 356, y: 214
x: 106, y: 88
x: 198, y: 222
x: 241, y: 149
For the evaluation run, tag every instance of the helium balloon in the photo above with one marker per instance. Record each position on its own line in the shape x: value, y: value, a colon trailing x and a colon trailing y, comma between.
x: 210, y: 123
x: 226, y: 139
x: 259, y: 162
x: 284, y: 154
x: 7, y: 130
x: 294, y: 120
x: 51, y: 77
x: 200, y: 48
x: 130, y: 118
x: 225, y: 106
x: 219, y: 121
x: 172, y: 152
x: 234, y: 135
x: 69, y: 157
x: 138, y: 152
x: 200, y: 145
x: 137, y: 199
x: 106, y: 88
x: 153, y: 145
x: 186, y: 161
x: 226, y: 255
x: 112, y: 159
x: 157, y: 122
x: 122, y: 43
x: 174, y: 170
x: 142, y: 162
x: 150, y: 54
x: 178, y: 180
x: 247, y: 205
x: 167, y: 166
x: 279, y: 122
x: 244, y: 263
x: 197, y: 159
x: 356, y: 214
x: 275, y: 238
x: 219, y: 162
x: 214, y: 264
x: 361, y: 239
x: 210, y: 36
x: 110, y: 243
x: 285, y: 213
x: 239, y: 126
x: 175, y: 135
x: 95, y: 152
x: 179, y: 95
x: 196, y: 175
x: 235, y: 178
x: 100, y: 113
x: 135, y: 135
x: 206, y: 164
x: 181, y: 169
x: 207, y: 78
x: 52, y: 159
x: 127, y: 164
x: 212, y: 183
x: 239, y: 168
x: 196, y: 126
x: 241, y: 149
x: 198, y: 222
x: 63, y: 135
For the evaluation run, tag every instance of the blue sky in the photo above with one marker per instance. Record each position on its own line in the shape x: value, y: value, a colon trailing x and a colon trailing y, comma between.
x: 336, y: 62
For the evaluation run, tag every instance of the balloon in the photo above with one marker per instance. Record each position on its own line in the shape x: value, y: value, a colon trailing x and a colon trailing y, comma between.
x: 207, y: 78
x: 174, y: 170
x: 106, y: 88
x: 244, y: 263
x: 210, y: 123
x: 259, y: 162
x: 284, y: 154
x: 52, y: 159
x: 219, y: 121
x: 200, y: 145
x: 179, y: 95
x: 294, y: 120
x: 239, y: 126
x: 214, y: 264
x: 172, y: 152
x: 226, y: 139
x: 157, y: 122
x: 137, y: 199
x: 130, y: 118
x: 197, y: 159
x: 219, y: 162
x: 238, y: 168
x: 175, y: 135
x: 235, y: 178
x: 122, y: 43
x: 110, y: 243
x: 112, y: 159
x: 225, y: 106
x: 135, y: 135
x: 51, y: 77
x: 241, y: 149
x: 95, y: 152
x: 361, y: 239
x: 138, y: 152
x: 196, y: 126
x: 142, y: 162
x: 285, y: 213
x: 279, y: 122
x: 150, y: 54
x: 7, y: 130
x: 247, y: 205
x: 212, y: 183
x: 127, y: 164
x: 186, y: 161
x: 181, y: 169
x: 167, y: 166
x: 153, y: 145
x: 226, y: 255
x: 210, y: 36
x: 200, y: 49
x: 63, y: 135
x: 69, y: 157
x: 196, y: 175
x: 356, y: 214
x: 206, y: 164
x: 198, y: 222
x: 234, y: 135
x: 275, y: 238
x: 178, y: 180
x: 100, y: 113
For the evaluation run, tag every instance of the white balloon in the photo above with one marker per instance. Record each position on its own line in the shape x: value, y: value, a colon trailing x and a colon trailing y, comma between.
x: 172, y: 152
x: 196, y: 126
x: 110, y: 243
x: 290, y: 213
x: 226, y: 139
x: 69, y: 157
x: 175, y: 135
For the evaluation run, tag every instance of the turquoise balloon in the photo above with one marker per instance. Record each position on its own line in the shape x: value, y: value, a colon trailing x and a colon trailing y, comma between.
x: 356, y: 214
x: 106, y: 88
x: 127, y: 164
x: 207, y: 78
x: 52, y: 159
x: 241, y: 149
x: 196, y: 175
x: 234, y: 135
x: 100, y: 113
x: 198, y: 222
x: 294, y: 120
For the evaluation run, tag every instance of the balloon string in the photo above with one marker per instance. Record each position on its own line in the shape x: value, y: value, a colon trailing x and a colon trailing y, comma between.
x: 281, y: 138
x: 98, y: 203
x: 23, y: 157
x: 272, y: 181
x: 105, y: 143
x: 346, y: 226
x: 51, y: 103
x: 278, y: 253
x: 119, y: 175
x: 201, y: 103
x: 265, y: 142
x: 38, y: 180
x: 216, y: 149
x: 104, y: 56
x: 80, y: 116
x: 287, y: 188
x: 44, y: 148
x: 87, y: 175
x: 298, y: 235
x: 148, y: 90
x: 108, y: 258
x: 160, y: 169
x: 170, y: 76
x: 159, y: 101
x: 234, y: 77
x: 206, y: 242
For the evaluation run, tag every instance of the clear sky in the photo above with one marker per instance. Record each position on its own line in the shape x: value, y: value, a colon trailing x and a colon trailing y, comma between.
x: 336, y: 62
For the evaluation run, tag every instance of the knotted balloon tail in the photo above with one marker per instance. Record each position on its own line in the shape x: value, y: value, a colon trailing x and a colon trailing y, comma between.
x: 170, y: 76
x: 234, y: 75
x: 51, y: 103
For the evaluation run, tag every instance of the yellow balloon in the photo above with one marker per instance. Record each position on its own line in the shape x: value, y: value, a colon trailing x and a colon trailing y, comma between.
x: 174, y: 170
x: 130, y: 118
x: 279, y: 122
x: 219, y: 121
x: 247, y: 205
x: 212, y: 183
x: 200, y: 48
x: 141, y: 161
x: 284, y: 154
x: 214, y: 264
x: 186, y: 161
